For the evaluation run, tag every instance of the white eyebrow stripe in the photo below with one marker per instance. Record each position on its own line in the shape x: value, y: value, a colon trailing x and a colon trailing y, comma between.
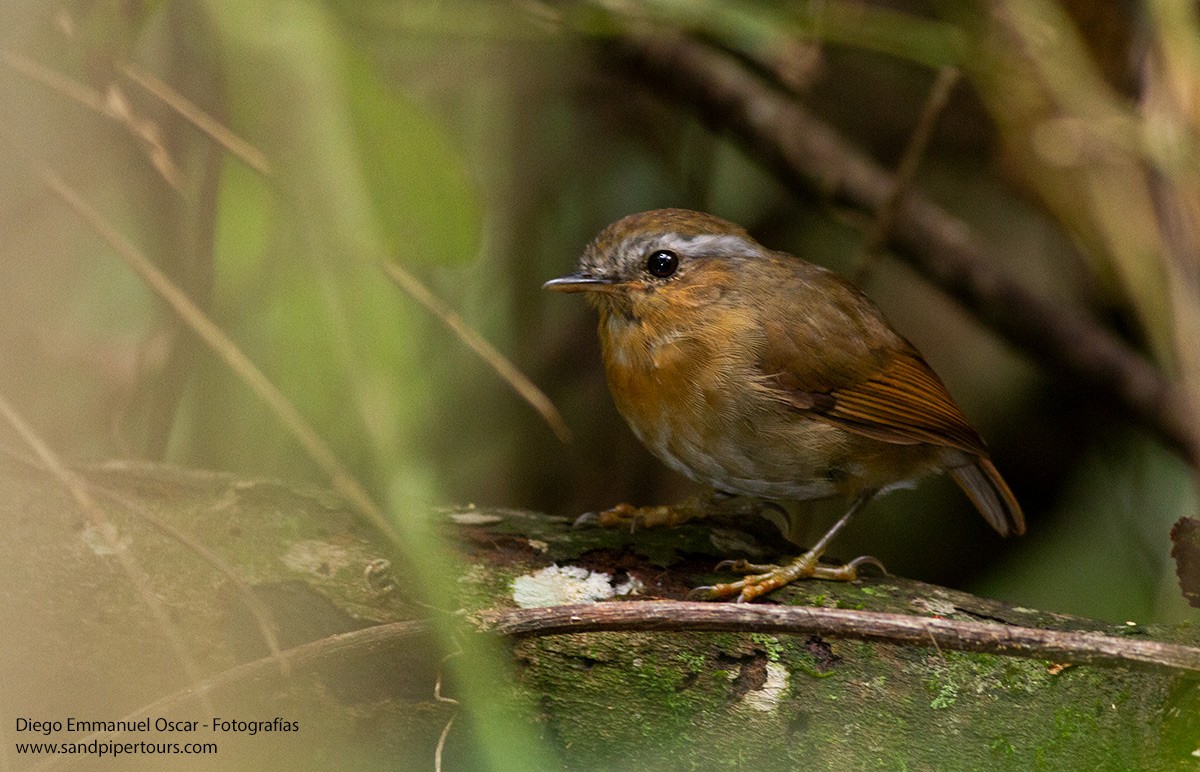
x: 722, y: 245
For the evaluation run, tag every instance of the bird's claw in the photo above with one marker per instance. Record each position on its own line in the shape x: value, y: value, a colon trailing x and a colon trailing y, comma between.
x: 865, y: 560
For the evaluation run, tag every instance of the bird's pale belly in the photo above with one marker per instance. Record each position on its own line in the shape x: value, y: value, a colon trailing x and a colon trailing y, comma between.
x: 723, y: 461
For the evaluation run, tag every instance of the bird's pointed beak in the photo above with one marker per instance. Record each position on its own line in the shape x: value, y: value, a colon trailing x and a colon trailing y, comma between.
x: 579, y: 282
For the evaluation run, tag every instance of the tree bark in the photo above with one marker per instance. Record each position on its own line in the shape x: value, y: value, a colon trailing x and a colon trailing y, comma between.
x: 650, y: 685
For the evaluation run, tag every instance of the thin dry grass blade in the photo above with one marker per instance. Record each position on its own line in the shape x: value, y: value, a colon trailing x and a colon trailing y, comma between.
x: 441, y: 744
x: 111, y: 104
x: 437, y: 695
x: 55, y: 81
x: 227, y: 350
x: 219, y: 133
x: 507, y: 371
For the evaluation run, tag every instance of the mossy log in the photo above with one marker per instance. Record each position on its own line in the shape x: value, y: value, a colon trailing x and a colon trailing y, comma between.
x: 81, y: 644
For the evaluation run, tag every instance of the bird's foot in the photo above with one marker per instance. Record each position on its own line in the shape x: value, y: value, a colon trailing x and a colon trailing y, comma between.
x: 631, y: 517
x: 761, y: 579
x: 718, y: 503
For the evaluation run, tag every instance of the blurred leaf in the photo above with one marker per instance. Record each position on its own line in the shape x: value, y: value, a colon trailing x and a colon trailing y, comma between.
x: 417, y: 182
x: 362, y: 174
x: 245, y: 217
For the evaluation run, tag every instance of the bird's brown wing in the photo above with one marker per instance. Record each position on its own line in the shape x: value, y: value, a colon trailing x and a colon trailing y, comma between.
x: 855, y: 371
x: 903, y: 402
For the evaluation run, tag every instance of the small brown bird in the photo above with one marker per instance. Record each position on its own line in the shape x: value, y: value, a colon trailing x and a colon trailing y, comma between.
x: 763, y: 375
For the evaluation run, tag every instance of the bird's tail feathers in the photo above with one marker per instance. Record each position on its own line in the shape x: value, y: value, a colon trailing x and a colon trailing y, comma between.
x: 991, y: 495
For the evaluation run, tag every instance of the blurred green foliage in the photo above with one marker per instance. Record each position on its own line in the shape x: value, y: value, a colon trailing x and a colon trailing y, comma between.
x: 481, y: 145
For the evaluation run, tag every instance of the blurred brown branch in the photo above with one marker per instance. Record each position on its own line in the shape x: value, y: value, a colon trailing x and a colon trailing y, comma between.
x: 811, y: 158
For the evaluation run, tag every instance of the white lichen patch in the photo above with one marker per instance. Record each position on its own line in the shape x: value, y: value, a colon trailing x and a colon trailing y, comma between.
x: 560, y: 585
x: 631, y: 586
x: 312, y: 556
x: 767, y: 697
x: 475, y: 518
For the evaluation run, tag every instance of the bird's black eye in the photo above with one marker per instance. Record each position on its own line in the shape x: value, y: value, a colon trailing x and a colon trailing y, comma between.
x: 662, y: 263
